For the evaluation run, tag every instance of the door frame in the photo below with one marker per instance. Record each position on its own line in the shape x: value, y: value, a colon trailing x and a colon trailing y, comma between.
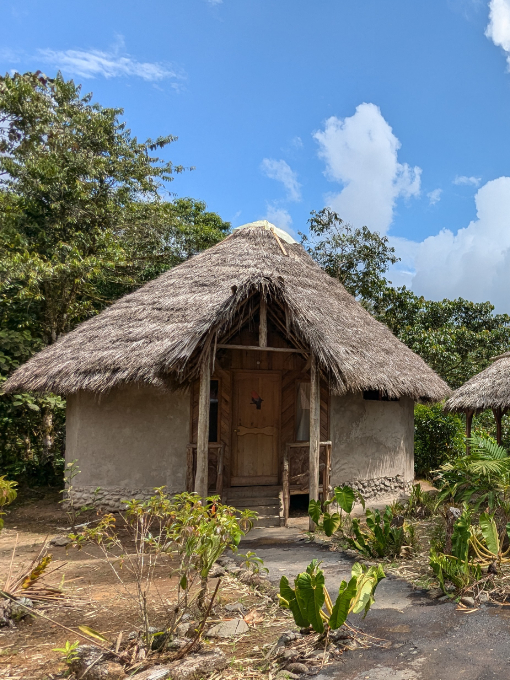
x: 235, y: 372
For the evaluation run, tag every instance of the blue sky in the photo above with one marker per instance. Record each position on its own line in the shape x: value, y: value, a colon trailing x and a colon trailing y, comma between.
x: 395, y: 113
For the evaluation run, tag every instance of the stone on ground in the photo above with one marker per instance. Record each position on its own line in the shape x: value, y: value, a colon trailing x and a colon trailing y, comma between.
x: 195, y: 666
x: 227, y: 629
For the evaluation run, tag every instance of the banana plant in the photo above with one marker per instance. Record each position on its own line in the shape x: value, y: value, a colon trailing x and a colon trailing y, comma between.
x: 487, y: 543
x: 309, y: 596
x: 344, y: 497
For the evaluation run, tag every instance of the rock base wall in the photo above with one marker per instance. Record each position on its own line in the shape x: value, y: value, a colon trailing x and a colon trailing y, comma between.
x: 371, y: 489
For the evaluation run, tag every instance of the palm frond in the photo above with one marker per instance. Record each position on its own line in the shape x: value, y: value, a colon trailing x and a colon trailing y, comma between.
x: 487, y: 449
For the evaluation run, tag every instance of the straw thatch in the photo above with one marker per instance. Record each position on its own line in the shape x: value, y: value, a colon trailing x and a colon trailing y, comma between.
x: 161, y: 332
x: 488, y: 389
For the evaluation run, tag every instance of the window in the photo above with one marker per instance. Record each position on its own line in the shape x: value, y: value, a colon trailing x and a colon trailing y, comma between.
x: 377, y: 395
x: 214, y: 411
x: 303, y: 412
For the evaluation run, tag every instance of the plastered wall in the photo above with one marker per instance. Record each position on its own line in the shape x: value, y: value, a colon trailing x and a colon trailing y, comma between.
x: 371, y: 439
x: 134, y: 437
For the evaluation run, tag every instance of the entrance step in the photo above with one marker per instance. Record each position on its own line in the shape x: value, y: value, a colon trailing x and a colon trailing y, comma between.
x: 265, y: 500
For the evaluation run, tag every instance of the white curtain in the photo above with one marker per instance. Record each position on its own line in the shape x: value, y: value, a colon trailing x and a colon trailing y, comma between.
x: 303, y: 413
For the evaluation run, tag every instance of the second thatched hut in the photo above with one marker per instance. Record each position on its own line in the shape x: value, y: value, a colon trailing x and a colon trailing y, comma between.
x: 489, y: 389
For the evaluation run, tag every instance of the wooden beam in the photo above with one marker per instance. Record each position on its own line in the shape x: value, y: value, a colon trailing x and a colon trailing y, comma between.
x: 262, y: 322
x: 469, y: 422
x: 201, y: 478
x: 262, y: 349
x: 498, y: 416
x: 315, y: 434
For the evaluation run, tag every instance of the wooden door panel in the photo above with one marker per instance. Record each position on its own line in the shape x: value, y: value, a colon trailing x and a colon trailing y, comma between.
x: 256, y: 430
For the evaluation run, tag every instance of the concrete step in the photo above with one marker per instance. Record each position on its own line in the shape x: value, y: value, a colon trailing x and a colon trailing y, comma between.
x: 252, y: 492
x: 268, y: 521
x: 254, y: 502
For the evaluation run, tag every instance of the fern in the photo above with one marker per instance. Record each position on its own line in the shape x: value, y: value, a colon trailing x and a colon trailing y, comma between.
x: 486, y: 449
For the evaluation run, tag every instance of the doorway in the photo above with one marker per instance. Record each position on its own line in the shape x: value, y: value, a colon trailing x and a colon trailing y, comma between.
x: 256, y: 428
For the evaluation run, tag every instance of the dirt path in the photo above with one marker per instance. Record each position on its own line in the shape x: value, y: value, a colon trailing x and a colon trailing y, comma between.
x: 430, y: 640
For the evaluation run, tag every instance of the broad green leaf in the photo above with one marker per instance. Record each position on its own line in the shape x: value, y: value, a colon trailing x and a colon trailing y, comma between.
x: 315, y: 511
x: 345, y: 498
x: 490, y: 532
x: 343, y: 603
x: 288, y: 601
x: 310, y: 597
x: 330, y: 523
x: 460, y: 537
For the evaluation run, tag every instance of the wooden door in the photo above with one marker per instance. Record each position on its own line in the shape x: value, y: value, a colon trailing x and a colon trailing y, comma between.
x: 256, y: 428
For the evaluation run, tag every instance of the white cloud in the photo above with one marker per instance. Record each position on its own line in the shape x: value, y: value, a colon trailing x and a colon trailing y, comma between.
x: 498, y: 29
x: 214, y: 2
x: 462, y: 179
x: 361, y: 154
x: 279, y: 217
x: 282, y: 172
x: 109, y: 64
x: 473, y: 263
x: 434, y: 196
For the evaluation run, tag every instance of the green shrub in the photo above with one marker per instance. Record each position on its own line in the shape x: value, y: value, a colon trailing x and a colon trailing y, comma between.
x: 438, y: 437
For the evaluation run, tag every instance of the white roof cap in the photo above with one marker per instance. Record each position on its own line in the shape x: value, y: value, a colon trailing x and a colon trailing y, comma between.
x: 270, y: 227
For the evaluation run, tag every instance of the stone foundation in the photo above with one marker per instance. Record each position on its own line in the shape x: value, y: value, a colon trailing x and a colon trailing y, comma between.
x: 372, y: 489
x: 108, y: 499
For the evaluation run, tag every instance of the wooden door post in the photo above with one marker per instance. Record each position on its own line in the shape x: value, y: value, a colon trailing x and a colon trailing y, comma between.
x: 201, y: 478
x: 315, y: 434
x: 262, y: 322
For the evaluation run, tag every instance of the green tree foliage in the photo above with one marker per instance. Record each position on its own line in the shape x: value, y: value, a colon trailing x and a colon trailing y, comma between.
x: 438, y: 437
x: 455, y: 337
x: 84, y: 219
x: 358, y: 258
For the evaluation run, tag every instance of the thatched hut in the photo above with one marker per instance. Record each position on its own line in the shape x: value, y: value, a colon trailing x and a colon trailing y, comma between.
x: 488, y: 389
x: 246, y: 370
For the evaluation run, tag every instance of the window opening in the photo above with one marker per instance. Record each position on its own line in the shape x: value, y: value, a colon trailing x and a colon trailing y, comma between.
x: 303, y: 412
x: 377, y: 395
x: 214, y: 411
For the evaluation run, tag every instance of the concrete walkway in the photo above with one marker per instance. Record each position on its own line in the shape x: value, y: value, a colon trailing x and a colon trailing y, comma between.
x: 429, y: 640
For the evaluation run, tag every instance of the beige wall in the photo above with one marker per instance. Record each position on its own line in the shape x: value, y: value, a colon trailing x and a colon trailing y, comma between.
x: 134, y: 437
x: 371, y: 439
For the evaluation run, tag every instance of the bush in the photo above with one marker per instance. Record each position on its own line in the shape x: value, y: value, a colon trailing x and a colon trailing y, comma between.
x: 438, y: 437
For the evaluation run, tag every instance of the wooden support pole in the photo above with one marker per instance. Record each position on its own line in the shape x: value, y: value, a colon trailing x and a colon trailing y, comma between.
x: 498, y: 416
x: 219, y: 471
x: 201, y: 478
x: 315, y: 434
x: 262, y: 322
x: 326, y: 473
x: 286, y: 485
x: 469, y: 422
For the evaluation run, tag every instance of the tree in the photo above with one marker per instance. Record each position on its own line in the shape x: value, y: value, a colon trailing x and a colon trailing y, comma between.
x: 84, y: 219
x: 456, y: 338
x: 358, y: 258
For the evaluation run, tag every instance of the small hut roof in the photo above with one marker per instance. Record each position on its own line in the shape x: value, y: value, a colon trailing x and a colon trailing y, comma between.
x: 159, y: 333
x: 488, y: 389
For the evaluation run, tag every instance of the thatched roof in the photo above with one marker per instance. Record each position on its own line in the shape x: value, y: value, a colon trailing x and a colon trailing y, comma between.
x: 159, y: 333
x: 488, y: 389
